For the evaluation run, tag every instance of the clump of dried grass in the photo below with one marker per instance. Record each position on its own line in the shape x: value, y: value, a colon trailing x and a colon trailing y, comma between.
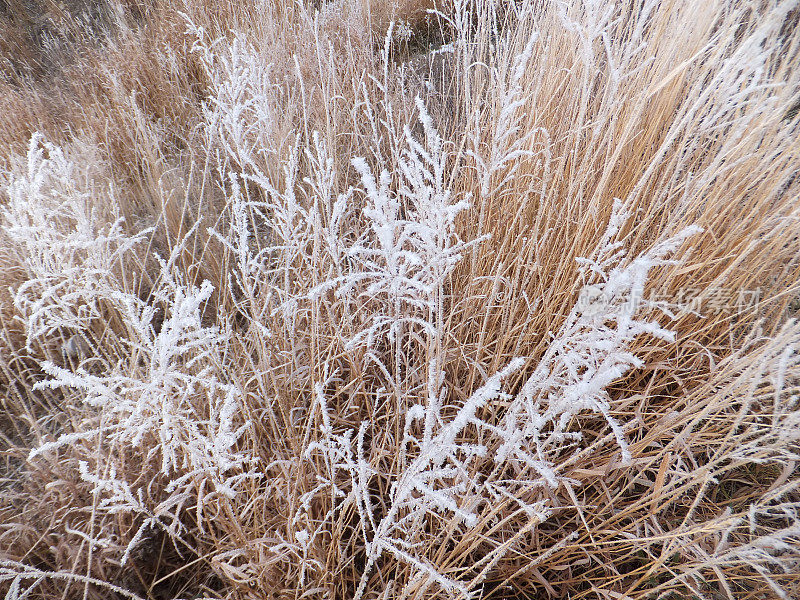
x: 404, y: 303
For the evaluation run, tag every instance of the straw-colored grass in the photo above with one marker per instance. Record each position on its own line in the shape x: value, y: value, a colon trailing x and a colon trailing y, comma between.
x: 359, y: 299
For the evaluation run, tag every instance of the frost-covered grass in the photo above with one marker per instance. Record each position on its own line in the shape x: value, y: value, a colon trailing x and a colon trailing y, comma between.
x: 359, y: 300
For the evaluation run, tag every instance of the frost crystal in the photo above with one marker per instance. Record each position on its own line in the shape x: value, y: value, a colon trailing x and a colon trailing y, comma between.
x: 70, y: 255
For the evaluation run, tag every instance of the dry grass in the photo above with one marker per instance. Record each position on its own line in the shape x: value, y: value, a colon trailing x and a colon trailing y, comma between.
x: 224, y: 134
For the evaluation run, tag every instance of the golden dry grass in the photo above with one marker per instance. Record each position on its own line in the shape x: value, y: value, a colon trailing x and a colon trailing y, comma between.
x: 687, y: 113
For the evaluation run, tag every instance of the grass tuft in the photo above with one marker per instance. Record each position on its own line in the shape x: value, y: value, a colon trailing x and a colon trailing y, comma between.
x: 399, y: 300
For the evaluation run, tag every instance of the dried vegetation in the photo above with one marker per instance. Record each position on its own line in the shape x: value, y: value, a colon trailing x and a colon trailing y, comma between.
x: 360, y: 299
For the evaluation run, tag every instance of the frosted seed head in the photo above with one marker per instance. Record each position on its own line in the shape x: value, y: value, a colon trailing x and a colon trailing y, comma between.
x: 302, y: 536
x: 592, y: 300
